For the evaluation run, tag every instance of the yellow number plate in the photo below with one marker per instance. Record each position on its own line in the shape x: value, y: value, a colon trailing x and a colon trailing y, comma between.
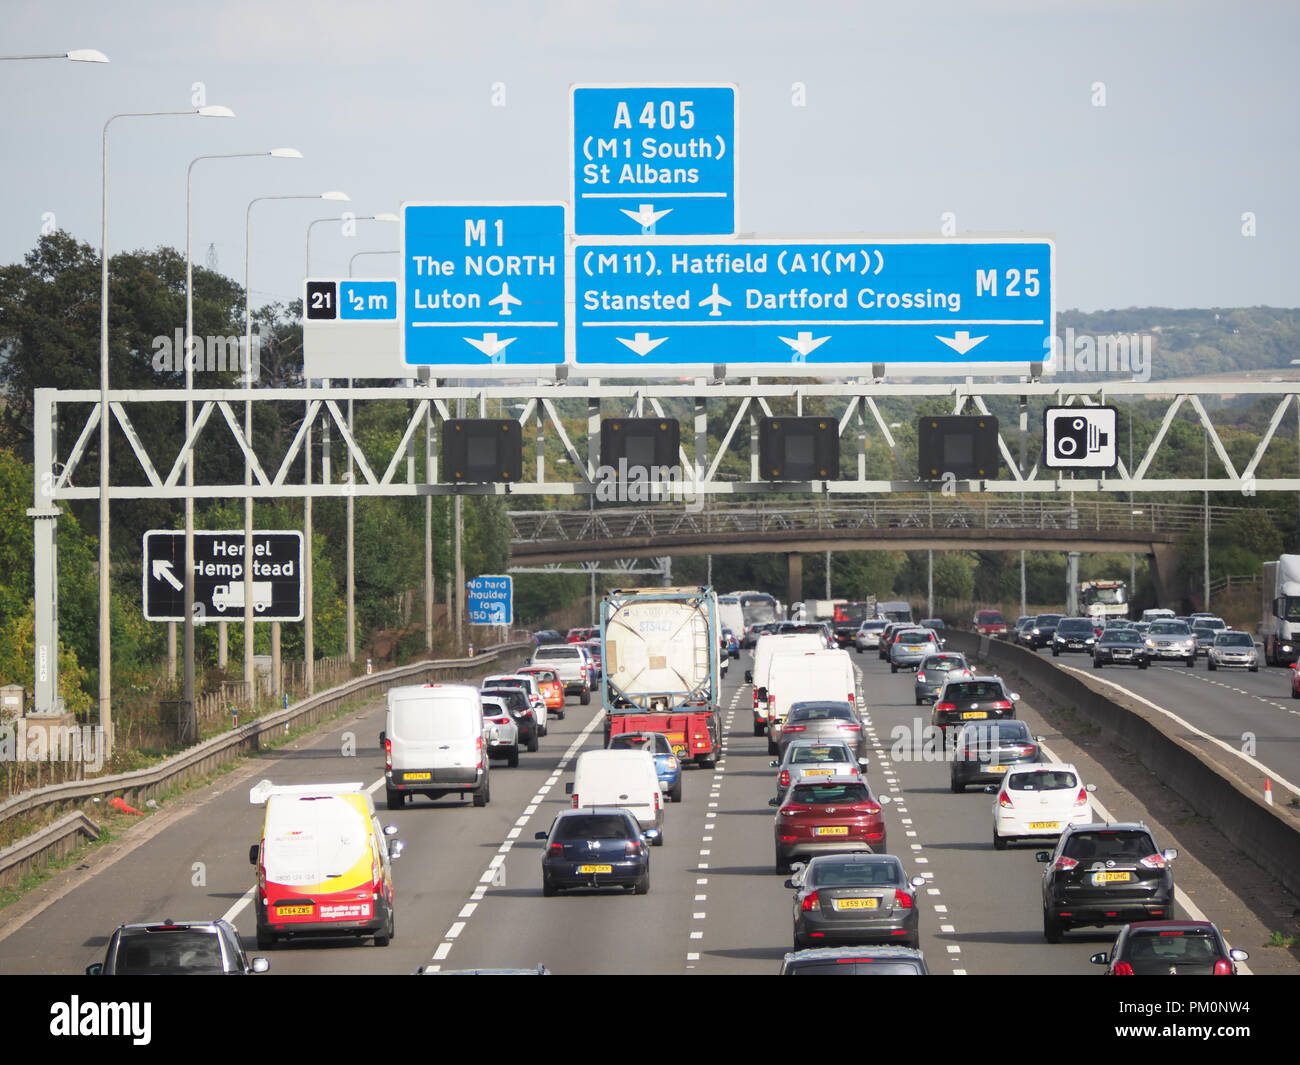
x: 856, y: 904
x: 1111, y: 878
x: 818, y: 772
x: 417, y: 776
x: 595, y: 868
x: 995, y: 769
x: 1048, y: 824
x: 293, y: 911
x: 831, y: 830
x: 973, y: 713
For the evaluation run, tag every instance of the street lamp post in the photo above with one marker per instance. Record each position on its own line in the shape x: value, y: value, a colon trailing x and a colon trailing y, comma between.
x: 248, y: 432
x: 191, y: 723
x: 77, y: 55
x: 105, y: 643
x: 352, y: 261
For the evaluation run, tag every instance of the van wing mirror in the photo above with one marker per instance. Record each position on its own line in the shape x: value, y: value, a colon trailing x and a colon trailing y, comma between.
x: 749, y: 676
x: 252, y: 854
x: 568, y: 787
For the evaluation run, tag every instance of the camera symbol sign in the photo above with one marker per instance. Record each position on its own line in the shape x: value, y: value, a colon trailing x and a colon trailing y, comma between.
x: 1080, y: 438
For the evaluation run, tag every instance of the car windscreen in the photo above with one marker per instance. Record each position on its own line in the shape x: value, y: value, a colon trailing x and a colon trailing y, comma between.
x: 1234, y: 639
x: 1047, y: 619
x: 1111, y: 845
x: 1120, y: 636
x: 820, y: 712
x: 512, y: 697
x: 181, y: 951
x: 854, y: 874
x: 945, y: 663
x: 1074, y: 625
x: 816, y: 794
x: 1168, y: 628
x: 831, y: 752
x: 548, y: 653
x: 591, y: 826
x: 1042, y: 780
x: 989, y: 617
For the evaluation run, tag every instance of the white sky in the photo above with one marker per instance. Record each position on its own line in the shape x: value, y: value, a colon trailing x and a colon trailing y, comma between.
x: 985, y: 109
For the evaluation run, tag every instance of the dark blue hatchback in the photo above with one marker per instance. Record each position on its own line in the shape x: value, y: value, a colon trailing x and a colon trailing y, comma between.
x: 599, y: 846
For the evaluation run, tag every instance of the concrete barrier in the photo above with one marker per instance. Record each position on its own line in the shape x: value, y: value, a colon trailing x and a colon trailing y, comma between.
x: 1214, y: 788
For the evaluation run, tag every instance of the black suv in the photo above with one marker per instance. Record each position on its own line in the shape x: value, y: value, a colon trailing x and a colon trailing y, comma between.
x: 176, y: 948
x: 1040, y: 632
x: 1074, y: 634
x: 1105, y: 875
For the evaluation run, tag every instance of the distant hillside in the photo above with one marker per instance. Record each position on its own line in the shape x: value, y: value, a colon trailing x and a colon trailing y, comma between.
x: 1189, y: 343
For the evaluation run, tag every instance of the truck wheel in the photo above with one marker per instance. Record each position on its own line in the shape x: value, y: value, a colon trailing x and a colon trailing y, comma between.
x: 1144, y: 664
x: 383, y: 938
x: 512, y: 759
x: 706, y: 761
x: 676, y: 794
x: 1209, y: 664
x: 265, y: 940
x: 1191, y: 662
x: 482, y: 794
x: 532, y: 742
x: 643, y: 883
x: 396, y: 800
x: 1052, y: 929
x: 893, y: 667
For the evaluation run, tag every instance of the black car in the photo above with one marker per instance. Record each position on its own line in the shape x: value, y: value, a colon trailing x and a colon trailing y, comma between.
x: 1020, y: 630
x: 176, y: 948
x: 855, y: 898
x: 1120, y: 647
x: 521, y: 710
x: 545, y: 636
x: 1170, y: 948
x: 978, y: 699
x: 1073, y: 635
x: 855, y: 961
x: 984, y: 751
x: 594, y: 847
x: 1105, y: 874
x: 1040, y: 632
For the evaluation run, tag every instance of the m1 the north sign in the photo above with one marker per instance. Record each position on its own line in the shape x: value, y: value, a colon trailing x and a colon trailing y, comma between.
x: 219, y: 575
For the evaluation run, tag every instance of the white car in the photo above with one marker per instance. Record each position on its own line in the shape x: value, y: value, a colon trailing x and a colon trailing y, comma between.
x: 528, y: 683
x: 500, y: 733
x: 1038, y: 800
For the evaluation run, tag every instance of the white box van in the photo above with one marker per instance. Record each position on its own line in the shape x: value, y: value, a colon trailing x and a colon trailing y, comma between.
x: 433, y: 743
x: 620, y: 778
x: 767, y: 646
x: 806, y: 676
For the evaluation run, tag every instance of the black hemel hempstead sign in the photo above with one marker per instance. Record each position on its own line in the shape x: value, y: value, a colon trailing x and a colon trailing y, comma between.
x: 219, y: 575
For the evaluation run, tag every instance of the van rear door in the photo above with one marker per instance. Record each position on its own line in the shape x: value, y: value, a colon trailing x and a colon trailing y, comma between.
x: 433, y: 733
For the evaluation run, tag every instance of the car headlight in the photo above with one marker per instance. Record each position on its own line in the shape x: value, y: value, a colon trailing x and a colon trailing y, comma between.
x: 1150, y: 643
x: 1036, y: 632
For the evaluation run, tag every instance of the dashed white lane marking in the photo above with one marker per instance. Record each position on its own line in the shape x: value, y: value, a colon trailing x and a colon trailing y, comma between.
x: 947, y: 928
x: 953, y: 948
x: 468, y: 909
x: 441, y: 953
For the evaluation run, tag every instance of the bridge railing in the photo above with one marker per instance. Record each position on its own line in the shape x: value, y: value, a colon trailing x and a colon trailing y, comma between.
x: 763, y: 517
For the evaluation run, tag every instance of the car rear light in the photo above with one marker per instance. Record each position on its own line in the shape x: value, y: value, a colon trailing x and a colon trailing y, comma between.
x: 1123, y: 968
x: 656, y: 803
x: 784, y: 778
x: 1064, y: 864
x: 1153, y: 861
x: 575, y: 800
x: 631, y: 848
x: 1001, y: 704
x: 849, y: 728
x: 789, y: 839
x: 945, y: 707
x: 867, y: 808
x: 902, y: 899
x: 1082, y: 799
x: 794, y: 808
x: 555, y: 848
x: 920, y: 677
x: 388, y: 754
x: 852, y: 699
x: 478, y: 747
x: 795, y: 728
x: 1004, y: 800
x: 499, y: 720
x: 810, y: 902
x: 1222, y: 967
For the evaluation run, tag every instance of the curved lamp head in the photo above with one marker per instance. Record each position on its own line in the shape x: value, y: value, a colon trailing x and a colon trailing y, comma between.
x: 342, y: 197
x: 285, y: 153
x: 87, y: 55
x: 387, y: 216
x: 215, y: 111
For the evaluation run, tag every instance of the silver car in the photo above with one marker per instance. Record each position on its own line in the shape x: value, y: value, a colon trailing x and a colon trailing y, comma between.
x: 935, y: 671
x: 500, y: 733
x: 868, y: 634
x: 1171, y: 639
x: 1233, y: 650
x: 912, y: 647
x: 823, y: 719
x: 806, y: 761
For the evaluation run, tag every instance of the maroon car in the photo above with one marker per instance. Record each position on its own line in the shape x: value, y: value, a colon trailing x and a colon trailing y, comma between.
x: 990, y: 623
x: 836, y: 816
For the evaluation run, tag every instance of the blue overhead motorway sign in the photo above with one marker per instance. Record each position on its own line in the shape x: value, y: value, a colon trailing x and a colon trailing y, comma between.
x: 655, y: 159
x: 782, y: 306
x: 483, y: 285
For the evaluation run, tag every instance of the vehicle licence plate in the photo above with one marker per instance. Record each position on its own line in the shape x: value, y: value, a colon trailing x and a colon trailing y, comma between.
x: 995, y: 769
x: 1111, y: 878
x: 1044, y: 824
x: 293, y: 911
x: 817, y: 773
x: 417, y: 776
x: 831, y: 830
x: 856, y: 904
x: 595, y: 869
x: 974, y: 713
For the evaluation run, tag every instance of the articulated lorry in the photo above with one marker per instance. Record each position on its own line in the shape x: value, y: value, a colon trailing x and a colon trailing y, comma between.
x: 1102, y: 600
x: 1279, y: 625
x: 661, y: 664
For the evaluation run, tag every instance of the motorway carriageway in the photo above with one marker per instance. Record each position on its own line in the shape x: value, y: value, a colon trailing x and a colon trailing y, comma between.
x: 469, y: 881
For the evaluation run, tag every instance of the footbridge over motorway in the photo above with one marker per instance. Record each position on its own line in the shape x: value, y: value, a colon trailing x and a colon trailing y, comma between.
x: 793, y: 529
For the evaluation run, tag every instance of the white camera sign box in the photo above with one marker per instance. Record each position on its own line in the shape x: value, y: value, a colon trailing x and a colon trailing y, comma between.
x: 1080, y: 438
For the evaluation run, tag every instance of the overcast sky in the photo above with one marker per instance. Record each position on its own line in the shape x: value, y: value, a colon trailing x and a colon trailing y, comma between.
x: 985, y: 109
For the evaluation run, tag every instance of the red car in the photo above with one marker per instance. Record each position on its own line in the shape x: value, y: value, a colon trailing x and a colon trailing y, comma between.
x: 990, y: 623
x: 1295, y: 681
x: 580, y: 635
x: 836, y: 816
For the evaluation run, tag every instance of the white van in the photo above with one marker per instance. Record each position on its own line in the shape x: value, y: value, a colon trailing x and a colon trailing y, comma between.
x: 730, y: 616
x: 767, y: 646
x: 433, y: 743
x: 806, y: 676
x: 1157, y: 614
x: 620, y: 778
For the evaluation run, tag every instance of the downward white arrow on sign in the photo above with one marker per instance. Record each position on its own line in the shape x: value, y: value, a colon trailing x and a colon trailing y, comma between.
x: 805, y: 343
x: 646, y: 216
x: 641, y: 343
x: 162, y: 571
x: 490, y: 345
x: 961, y: 342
